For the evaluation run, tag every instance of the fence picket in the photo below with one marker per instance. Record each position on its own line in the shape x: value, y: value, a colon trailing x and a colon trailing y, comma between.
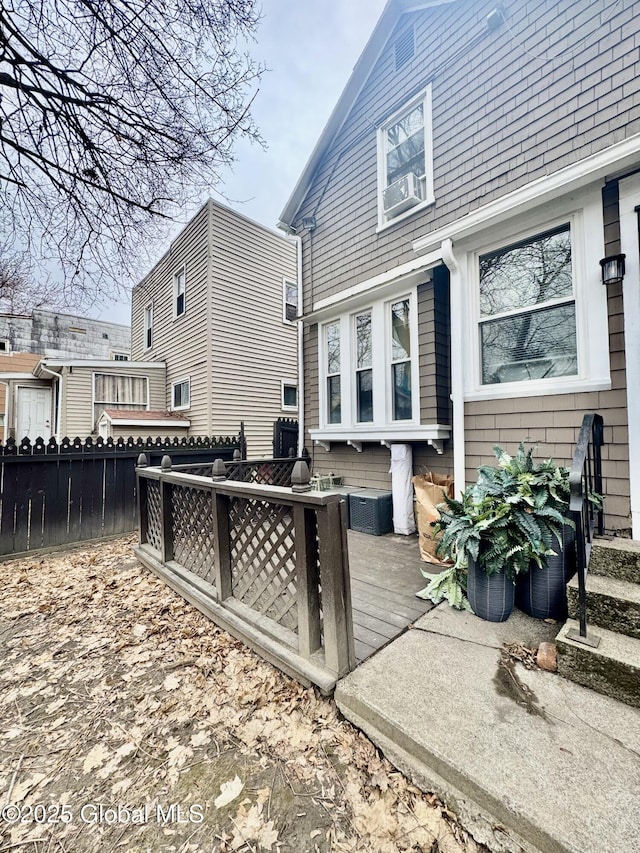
x: 56, y: 494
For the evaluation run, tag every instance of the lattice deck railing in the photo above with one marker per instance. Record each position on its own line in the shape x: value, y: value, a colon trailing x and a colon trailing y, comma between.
x: 269, y: 472
x: 266, y: 563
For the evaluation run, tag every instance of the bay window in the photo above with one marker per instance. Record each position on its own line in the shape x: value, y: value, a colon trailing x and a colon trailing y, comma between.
x: 364, y: 371
x: 369, y: 368
x: 334, y: 395
x: 401, y: 361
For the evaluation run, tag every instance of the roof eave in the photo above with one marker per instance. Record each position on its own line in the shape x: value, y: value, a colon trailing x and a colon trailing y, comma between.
x: 357, y: 80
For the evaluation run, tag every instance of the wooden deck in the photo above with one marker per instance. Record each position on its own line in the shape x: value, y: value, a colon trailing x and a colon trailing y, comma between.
x: 385, y: 576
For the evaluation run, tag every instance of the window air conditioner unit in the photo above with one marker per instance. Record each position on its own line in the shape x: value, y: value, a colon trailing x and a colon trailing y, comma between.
x: 401, y: 195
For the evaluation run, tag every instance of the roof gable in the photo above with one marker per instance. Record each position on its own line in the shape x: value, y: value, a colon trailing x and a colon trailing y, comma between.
x: 384, y: 30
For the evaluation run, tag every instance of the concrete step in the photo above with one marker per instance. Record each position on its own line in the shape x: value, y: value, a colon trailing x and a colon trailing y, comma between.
x: 611, y: 603
x: 613, y: 668
x: 527, y: 760
x: 616, y: 558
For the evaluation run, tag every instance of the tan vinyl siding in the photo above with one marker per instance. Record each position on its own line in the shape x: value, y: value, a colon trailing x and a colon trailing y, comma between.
x: 231, y: 342
x: 77, y: 392
x: 178, y: 341
x: 503, y: 115
x: 253, y: 350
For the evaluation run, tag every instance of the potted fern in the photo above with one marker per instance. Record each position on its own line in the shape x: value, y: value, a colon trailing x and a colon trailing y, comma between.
x: 506, y: 526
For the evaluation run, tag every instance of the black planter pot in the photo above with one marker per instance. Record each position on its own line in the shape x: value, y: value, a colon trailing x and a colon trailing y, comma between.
x: 490, y: 596
x: 542, y: 592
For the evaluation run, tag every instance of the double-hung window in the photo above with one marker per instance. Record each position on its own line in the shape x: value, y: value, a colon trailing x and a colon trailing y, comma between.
x: 334, y: 391
x: 364, y: 368
x: 528, y: 311
x: 148, y: 327
x: 289, y: 301
x: 401, y: 360
x: 405, y: 170
x: 179, y: 284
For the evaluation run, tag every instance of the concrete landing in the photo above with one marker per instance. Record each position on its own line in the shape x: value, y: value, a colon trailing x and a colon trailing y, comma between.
x: 528, y: 760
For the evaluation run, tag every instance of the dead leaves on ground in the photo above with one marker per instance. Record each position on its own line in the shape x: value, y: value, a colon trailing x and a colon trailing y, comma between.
x: 114, y: 690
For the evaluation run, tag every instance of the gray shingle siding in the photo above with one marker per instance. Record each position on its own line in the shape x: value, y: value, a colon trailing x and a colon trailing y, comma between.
x: 547, y: 88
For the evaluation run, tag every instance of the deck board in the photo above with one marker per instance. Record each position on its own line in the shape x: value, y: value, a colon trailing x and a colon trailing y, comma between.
x: 385, y: 576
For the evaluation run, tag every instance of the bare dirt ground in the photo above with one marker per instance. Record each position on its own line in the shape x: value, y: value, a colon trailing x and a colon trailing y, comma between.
x: 129, y: 722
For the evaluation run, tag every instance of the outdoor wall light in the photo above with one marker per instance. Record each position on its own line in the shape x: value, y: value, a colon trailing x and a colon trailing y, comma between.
x: 612, y: 269
x: 309, y: 222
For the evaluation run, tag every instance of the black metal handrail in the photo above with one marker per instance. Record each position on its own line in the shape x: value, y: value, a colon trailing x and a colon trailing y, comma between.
x: 585, y: 505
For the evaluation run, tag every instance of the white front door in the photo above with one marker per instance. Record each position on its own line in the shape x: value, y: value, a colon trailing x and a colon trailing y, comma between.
x: 34, y: 414
x: 629, y: 238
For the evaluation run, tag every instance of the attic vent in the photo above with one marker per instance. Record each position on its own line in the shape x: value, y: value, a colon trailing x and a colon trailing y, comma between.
x: 405, y: 48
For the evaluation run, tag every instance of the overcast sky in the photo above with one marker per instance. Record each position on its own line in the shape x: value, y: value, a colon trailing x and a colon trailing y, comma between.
x: 310, y: 47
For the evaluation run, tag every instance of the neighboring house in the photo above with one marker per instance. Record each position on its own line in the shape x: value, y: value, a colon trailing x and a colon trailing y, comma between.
x: 30, y: 408
x: 67, y: 397
x: 219, y: 310
x: 479, y: 165
x: 52, y: 334
x: 125, y: 423
x: 15, y: 363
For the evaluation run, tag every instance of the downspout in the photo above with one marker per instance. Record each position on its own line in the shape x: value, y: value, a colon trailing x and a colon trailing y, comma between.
x: 298, y: 241
x: 6, y: 409
x: 58, y: 378
x: 457, y: 369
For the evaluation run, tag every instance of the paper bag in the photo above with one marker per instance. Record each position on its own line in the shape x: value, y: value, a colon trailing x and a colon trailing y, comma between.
x: 430, y: 489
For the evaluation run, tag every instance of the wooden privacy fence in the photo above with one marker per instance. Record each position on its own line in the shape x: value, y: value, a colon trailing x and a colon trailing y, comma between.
x: 268, y: 564
x: 58, y: 494
x: 285, y: 437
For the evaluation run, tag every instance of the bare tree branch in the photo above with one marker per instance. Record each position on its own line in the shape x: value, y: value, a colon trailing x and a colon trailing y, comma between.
x: 113, y: 115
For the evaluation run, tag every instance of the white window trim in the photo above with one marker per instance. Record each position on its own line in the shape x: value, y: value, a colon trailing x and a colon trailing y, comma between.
x: 113, y: 355
x: 425, y: 98
x: 182, y: 408
x: 290, y: 384
x: 382, y: 423
x: 584, y: 216
x: 285, y: 282
x: 147, y: 313
x: 182, y: 270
